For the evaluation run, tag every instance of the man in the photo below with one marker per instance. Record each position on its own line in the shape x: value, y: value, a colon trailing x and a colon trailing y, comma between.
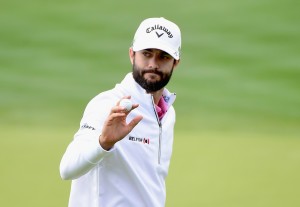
x: 118, y: 157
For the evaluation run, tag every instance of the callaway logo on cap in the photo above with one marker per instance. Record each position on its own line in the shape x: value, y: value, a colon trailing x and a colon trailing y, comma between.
x: 158, y: 33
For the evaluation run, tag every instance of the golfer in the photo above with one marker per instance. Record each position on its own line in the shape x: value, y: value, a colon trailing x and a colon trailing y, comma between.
x: 120, y: 158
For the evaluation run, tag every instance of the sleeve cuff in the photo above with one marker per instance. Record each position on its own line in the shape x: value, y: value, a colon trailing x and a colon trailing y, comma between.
x: 95, y: 153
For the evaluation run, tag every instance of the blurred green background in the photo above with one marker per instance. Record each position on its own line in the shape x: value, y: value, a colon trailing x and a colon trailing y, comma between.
x: 237, y: 140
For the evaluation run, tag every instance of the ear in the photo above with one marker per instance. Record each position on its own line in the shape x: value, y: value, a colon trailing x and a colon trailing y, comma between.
x: 176, y: 62
x: 131, y: 55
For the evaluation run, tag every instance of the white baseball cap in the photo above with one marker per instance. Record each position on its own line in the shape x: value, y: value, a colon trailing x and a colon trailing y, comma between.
x: 158, y: 33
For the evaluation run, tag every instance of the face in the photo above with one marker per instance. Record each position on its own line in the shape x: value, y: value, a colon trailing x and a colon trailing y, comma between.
x: 152, y: 68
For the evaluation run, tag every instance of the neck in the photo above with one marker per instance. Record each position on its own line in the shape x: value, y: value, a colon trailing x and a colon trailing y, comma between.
x: 157, y: 95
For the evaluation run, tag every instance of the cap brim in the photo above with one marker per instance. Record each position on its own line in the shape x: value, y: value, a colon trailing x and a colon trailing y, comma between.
x: 142, y: 45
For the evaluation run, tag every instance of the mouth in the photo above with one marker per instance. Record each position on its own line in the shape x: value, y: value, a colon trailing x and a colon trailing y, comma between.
x: 152, y: 72
x: 151, y: 76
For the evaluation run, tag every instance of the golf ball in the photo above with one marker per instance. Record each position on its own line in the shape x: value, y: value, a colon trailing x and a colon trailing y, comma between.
x: 126, y: 103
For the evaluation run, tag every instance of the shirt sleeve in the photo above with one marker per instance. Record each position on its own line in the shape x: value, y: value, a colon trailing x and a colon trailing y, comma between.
x: 85, y: 152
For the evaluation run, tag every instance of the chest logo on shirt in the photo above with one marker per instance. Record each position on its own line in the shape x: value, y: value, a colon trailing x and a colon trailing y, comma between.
x: 140, y: 140
x: 86, y: 126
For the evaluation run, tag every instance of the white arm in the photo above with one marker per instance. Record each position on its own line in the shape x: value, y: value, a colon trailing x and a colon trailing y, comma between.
x: 85, y: 152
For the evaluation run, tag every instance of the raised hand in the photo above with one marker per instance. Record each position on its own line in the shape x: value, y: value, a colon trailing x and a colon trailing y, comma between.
x: 115, y: 127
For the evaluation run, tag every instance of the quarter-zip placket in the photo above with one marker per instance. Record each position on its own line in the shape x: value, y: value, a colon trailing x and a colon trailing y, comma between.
x: 160, y: 129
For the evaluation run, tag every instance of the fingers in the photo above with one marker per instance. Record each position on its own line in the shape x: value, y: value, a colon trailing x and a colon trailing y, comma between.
x: 119, y: 111
x: 125, y: 97
x: 116, y: 127
x: 134, y: 122
x: 134, y: 106
x: 122, y: 109
x: 117, y: 115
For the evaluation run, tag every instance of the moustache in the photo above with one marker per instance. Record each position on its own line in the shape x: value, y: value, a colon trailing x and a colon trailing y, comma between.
x: 152, y: 71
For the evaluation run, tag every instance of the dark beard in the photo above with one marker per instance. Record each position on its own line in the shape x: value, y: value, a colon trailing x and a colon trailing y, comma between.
x: 150, y: 86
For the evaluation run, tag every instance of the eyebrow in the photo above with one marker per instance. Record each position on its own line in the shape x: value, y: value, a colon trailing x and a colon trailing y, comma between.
x: 162, y: 52
x: 149, y: 50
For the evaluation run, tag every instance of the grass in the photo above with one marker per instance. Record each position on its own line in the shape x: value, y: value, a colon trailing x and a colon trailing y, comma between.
x: 234, y: 170
x: 237, y: 129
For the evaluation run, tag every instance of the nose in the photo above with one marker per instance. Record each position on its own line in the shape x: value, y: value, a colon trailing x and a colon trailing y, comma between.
x: 153, y: 63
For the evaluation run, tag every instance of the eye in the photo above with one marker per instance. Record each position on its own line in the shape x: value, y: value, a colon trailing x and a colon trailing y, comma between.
x: 146, y: 53
x: 165, y: 56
